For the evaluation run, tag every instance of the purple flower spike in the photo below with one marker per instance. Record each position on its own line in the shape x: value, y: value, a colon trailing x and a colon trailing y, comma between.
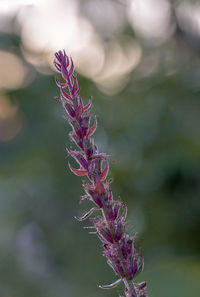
x: 110, y: 226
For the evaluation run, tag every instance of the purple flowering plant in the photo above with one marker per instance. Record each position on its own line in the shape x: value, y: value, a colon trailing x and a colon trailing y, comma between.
x: 108, y: 215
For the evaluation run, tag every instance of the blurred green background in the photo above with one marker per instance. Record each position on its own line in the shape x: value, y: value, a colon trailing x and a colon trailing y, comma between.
x: 140, y: 60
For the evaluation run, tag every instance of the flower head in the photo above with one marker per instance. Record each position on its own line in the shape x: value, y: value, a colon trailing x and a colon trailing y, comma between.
x: 110, y: 222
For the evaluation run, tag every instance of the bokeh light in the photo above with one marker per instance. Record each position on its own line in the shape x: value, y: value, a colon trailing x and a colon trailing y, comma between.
x: 13, y: 73
x: 151, y: 19
x: 188, y: 15
x: 10, y: 119
x: 122, y: 56
x: 107, y: 17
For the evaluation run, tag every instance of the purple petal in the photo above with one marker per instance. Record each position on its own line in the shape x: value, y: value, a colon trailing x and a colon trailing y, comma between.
x: 61, y: 85
x: 86, y: 107
x: 84, y: 197
x: 71, y: 70
x: 69, y: 109
x: 93, y: 128
x: 104, y: 172
x: 75, y: 89
x: 78, y: 172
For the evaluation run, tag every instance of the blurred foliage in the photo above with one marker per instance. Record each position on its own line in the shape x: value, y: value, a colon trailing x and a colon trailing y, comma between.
x: 151, y: 129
